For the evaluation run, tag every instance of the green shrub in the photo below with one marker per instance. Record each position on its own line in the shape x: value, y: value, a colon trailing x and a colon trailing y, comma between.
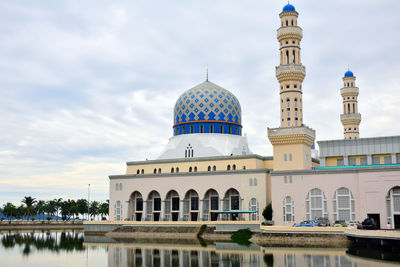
x: 32, y: 219
x: 201, y: 230
x: 267, y: 212
x: 242, y: 236
x: 269, y: 260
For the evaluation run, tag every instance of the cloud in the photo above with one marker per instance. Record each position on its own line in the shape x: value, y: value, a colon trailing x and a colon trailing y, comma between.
x: 88, y: 86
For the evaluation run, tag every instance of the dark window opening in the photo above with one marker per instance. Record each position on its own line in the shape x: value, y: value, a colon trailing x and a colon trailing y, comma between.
x: 234, y: 167
x: 175, y: 203
x: 159, y: 170
x: 234, y: 202
x: 221, y: 129
x: 214, y: 203
x: 194, y: 203
x: 228, y: 167
x: 172, y: 170
x: 209, y: 168
x: 191, y: 129
x: 195, y: 169
x: 190, y: 169
x: 157, y: 204
x: 155, y: 170
x: 139, y: 204
x: 214, y: 168
x: 211, y: 128
x: 230, y: 129
x: 201, y: 129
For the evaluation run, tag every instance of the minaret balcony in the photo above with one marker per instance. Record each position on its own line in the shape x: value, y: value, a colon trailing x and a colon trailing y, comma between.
x: 290, y: 72
x: 291, y: 135
x: 290, y: 32
x: 349, y: 91
x: 350, y: 118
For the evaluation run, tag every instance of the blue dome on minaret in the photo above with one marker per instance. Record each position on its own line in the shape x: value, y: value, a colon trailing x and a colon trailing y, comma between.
x: 288, y: 8
x: 207, y: 108
x: 348, y: 73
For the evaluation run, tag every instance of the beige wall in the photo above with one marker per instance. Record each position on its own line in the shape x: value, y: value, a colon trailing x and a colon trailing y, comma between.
x: 301, y: 157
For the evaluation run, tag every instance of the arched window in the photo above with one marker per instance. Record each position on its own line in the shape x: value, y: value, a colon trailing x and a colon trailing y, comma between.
x: 118, y: 211
x: 292, y: 22
x: 285, y: 157
x: 288, y: 209
x: 183, y: 129
x: 287, y: 23
x: 290, y: 157
x: 234, y: 167
x: 172, y: 170
x: 228, y: 167
x: 343, y: 205
x: 251, y: 181
x: 230, y: 129
x: 287, y: 56
x: 201, y: 129
x: 209, y: 168
x: 211, y: 128
x: 159, y: 170
x: 116, y: 187
x: 316, y: 204
x: 190, y: 169
x: 253, y: 206
x: 295, y: 103
x: 244, y: 167
x: 255, y: 181
x: 191, y: 129
x: 393, y: 206
x: 138, y: 172
x: 155, y: 170
x: 177, y: 169
x: 214, y: 168
x: 354, y: 108
x: 142, y: 171
x: 288, y: 103
x: 221, y: 129
x: 294, y: 57
x: 120, y: 186
x: 348, y: 108
x: 195, y: 169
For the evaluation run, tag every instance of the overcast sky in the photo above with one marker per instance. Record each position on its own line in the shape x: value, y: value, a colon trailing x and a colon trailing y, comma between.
x: 88, y: 85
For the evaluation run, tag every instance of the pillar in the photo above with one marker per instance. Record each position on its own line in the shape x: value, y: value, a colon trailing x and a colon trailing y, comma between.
x: 144, y: 216
x: 201, y: 212
x: 162, y: 215
x: 127, y: 211
x: 181, y: 210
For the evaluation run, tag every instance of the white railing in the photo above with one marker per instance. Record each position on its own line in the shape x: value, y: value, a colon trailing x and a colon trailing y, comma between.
x: 350, y: 116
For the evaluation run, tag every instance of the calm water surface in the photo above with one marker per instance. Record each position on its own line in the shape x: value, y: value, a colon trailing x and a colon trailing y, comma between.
x: 74, y: 249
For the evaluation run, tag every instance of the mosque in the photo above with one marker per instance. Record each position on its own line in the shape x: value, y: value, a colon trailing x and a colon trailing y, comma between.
x: 207, y: 171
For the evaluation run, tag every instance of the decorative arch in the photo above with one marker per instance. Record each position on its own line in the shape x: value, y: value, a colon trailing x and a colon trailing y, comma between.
x: 153, y: 207
x: 231, y: 201
x: 393, y: 207
x: 172, y: 205
x: 135, y: 206
x: 343, y: 205
x: 191, y: 206
x: 316, y: 204
x: 210, y: 205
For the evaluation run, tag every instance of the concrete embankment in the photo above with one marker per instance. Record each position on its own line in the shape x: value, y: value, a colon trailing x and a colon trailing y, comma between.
x: 7, y: 226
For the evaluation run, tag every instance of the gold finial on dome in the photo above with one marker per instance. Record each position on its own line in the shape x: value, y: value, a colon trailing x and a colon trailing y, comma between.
x: 207, y: 74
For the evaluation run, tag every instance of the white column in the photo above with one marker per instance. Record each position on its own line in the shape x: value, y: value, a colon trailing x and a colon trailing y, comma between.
x: 162, y: 257
x: 162, y: 210
x: 221, y: 208
x: 144, y: 211
x: 181, y: 210
x: 201, y: 213
x: 127, y: 211
x: 241, y: 215
x: 181, y: 258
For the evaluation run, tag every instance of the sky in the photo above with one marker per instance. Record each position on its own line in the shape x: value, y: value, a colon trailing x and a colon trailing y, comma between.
x: 88, y: 85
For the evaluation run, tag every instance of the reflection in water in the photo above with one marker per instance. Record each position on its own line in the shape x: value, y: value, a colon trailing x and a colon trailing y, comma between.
x: 53, y: 241
x: 52, y: 248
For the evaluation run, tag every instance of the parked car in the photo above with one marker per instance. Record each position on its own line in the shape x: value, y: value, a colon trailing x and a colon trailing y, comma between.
x: 340, y: 224
x: 267, y: 223
x: 368, y: 224
x: 306, y: 224
x: 323, y: 222
x: 353, y: 224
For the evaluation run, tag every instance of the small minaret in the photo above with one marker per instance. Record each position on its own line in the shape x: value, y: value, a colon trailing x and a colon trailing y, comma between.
x: 350, y: 118
x: 292, y: 141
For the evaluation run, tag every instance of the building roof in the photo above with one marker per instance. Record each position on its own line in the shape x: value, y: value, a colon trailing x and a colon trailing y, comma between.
x: 288, y: 8
x: 349, y: 73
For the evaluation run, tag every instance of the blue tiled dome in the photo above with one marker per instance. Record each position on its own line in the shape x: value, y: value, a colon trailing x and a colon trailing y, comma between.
x: 349, y: 73
x: 207, y: 108
x: 288, y: 8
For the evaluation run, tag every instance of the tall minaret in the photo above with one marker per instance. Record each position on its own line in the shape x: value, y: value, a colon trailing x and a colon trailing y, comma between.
x: 350, y: 118
x: 290, y: 73
x: 293, y: 140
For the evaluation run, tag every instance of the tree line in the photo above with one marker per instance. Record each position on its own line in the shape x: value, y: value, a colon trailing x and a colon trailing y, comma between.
x: 31, y: 209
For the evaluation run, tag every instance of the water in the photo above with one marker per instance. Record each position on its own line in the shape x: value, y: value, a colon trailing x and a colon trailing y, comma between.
x: 74, y: 249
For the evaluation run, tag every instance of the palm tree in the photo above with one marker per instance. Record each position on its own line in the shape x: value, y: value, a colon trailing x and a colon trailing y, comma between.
x: 29, y: 202
x: 94, y: 208
x: 57, y: 203
x: 103, y: 209
x: 40, y: 208
x: 82, y: 205
x: 9, y: 210
x: 50, y: 208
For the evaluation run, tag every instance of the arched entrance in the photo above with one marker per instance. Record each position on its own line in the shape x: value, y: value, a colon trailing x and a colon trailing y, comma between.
x: 231, y: 202
x: 191, y: 206
x: 172, y: 206
x: 136, y: 206
x: 210, y: 205
x: 393, y: 207
x: 153, y: 206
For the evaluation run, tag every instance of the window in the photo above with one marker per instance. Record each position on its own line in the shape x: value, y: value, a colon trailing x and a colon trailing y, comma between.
x: 387, y: 160
x: 244, y: 167
x: 285, y: 157
x: 290, y: 157
x: 221, y: 129
x: 190, y: 169
x: 172, y: 170
x: 352, y: 162
x: 251, y: 181
x: 253, y: 206
x: 288, y: 209
x: 209, y: 168
x: 157, y: 204
x: 194, y: 203
x: 139, y: 204
x: 316, y: 205
x: 116, y: 187
x: 211, y: 128
x: 343, y: 205
x: 214, y: 203
x: 255, y: 181
x: 191, y: 129
x: 230, y: 129
x: 120, y: 186
x: 398, y: 159
x: 195, y: 169
x: 290, y: 179
x: 285, y: 180
x: 363, y: 161
x: 287, y: 57
x: 138, y: 172
x: 177, y: 169
x: 288, y: 103
x: 159, y: 170
x: 118, y: 211
x: 214, y: 168
x: 228, y: 167
x: 294, y: 57
x: 340, y: 162
x: 183, y: 129
x: 142, y: 171
x: 201, y: 129
x: 376, y: 160
x: 155, y: 171
x: 234, y: 167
